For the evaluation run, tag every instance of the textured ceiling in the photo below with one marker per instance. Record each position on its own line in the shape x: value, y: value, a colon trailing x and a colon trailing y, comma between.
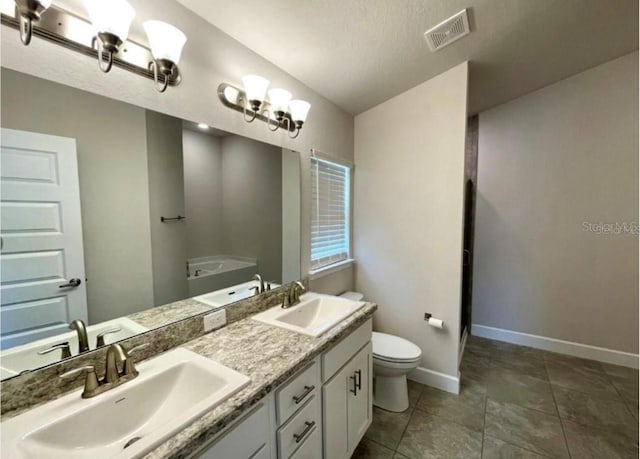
x: 359, y: 53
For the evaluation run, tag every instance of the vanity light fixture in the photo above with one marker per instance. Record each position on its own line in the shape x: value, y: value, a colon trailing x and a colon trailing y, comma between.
x: 166, y: 42
x: 104, y: 35
x: 111, y: 21
x: 30, y: 12
x: 278, y: 110
x: 203, y: 126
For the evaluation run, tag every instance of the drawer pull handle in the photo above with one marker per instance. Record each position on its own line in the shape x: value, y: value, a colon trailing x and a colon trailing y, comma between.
x: 307, y: 390
x: 359, y: 383
x: 354, y: 391
x: 308, y: 426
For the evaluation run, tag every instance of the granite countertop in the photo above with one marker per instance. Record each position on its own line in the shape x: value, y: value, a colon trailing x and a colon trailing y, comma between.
x: 268, y: 355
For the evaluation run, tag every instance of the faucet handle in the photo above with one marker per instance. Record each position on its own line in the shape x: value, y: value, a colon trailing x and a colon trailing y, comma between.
x: 90, y: 381
x: 129, y: 364
x: 66, y: 351
x: 100, y: 338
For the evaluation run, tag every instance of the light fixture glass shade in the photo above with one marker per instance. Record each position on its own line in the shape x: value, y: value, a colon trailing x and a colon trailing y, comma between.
x: 255, y: 87
x: 279, y: 100
x: 46, y: 3
x: 111, y: 16
x: 299, y: 110
x: 165, y: 40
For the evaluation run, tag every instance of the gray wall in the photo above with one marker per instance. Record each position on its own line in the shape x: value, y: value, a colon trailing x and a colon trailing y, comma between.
x: 114, y: 196
x: 328, y: 128
x: 290, y: 215
x: 166, y: 198
x: 409, y: 175
x: 548, y: 162
x: 203, y: 193
x: 252, y: 202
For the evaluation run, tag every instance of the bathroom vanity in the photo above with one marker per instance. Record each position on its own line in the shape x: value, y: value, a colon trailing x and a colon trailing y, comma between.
x: 303, y: 397
x: 323, y: 410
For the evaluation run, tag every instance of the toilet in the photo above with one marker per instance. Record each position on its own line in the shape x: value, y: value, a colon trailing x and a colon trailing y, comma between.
x: 393, y: 358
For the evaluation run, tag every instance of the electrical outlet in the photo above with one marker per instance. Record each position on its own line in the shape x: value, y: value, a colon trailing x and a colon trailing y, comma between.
x: 214, y: 320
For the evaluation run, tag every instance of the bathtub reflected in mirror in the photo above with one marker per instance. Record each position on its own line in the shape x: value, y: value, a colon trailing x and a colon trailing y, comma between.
x: 110, y: 211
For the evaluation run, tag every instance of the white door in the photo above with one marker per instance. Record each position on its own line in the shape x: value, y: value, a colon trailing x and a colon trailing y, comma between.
x: 42, y: 279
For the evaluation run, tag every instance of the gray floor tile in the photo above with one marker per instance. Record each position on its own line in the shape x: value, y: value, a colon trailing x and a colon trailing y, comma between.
x: 387, y: 427
x: 590, y: 443
x: 400, y: 456
x: 432, y: 437
x: 368, y: 449
x: 626, y: 387
x: 527, y: 428
x: 492, y: 448
x: 581, y: 379
x: 523, y: 390
x: 562, y: 359
x: 633, y: 409
x: 606, y: 413
x: 534, y: 368
x: 475, y: 367
x: 414, y: 389
x: 467, y: 408
x: 620, y: 372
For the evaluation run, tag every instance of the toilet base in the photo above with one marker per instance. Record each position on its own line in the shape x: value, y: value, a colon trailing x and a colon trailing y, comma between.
x: 390, y: 393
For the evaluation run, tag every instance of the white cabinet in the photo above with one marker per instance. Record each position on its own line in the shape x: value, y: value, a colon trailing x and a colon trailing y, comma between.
x: 347, y: 398
x: 323, y: 411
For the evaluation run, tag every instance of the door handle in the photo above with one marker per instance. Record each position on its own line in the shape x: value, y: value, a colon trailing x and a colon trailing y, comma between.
x: 308, y: 426
x: 73, y: 283
x: 359, y: 383
x: 307, y: 390
x: 354, y: 391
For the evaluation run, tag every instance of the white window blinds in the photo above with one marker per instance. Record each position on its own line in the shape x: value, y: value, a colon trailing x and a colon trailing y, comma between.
x: 330, y: 188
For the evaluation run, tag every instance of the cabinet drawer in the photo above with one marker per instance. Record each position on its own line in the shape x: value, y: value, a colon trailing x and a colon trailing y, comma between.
x: 311, y: 448
x: 244, y: 439
x: 296, y: 393
x: 341, y: 353
x: 299, y: 428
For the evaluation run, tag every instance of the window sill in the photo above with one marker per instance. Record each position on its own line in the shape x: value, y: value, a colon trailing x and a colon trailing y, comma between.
x: 334, y: 268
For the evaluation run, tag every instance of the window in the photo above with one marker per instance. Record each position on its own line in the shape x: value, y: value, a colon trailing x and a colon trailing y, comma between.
x: 330, y: 213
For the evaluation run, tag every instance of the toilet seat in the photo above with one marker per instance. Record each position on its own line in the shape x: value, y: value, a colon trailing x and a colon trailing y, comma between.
x: 393, y: 349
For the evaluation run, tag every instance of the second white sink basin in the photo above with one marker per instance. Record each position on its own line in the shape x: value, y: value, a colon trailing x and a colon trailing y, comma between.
x: 171, y: 391
x: 315, y: 314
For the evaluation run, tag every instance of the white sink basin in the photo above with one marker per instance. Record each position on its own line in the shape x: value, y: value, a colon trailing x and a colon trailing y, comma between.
x: 171, y: 391
x: 230, y: 295
x: 25, y: 357
x: 314, y: 315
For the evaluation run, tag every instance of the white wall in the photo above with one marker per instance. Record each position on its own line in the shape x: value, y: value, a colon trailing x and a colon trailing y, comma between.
x: 114, y: 194
x: 409, y: 155
x: 203, y: 193
x: 209, y: 58
x: 548, y: 162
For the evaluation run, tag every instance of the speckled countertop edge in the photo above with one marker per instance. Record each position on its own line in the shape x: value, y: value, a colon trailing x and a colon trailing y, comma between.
x: 266, y: 354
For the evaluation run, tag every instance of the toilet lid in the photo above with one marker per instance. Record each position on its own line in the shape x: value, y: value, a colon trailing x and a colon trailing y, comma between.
x: 390, y: 347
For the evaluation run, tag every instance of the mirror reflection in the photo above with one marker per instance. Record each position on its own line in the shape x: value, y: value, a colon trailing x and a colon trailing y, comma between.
x: 117, y: 220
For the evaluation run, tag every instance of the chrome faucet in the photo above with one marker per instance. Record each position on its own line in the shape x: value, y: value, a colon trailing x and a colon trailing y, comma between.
x: 113, y: 376
x: 292, y: 296
x: 81, y: 330
x: 258, y: 278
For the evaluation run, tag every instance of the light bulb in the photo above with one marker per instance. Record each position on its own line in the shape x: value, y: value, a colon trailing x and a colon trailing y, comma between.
x: 113, y: 16
x: 279, y: 100
x: 299, y: 110
x: 165, y: 40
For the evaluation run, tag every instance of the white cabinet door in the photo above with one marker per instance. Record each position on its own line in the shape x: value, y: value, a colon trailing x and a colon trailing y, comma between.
x: 359, y: 403
x: 334, y: 407
x: 41, y: 237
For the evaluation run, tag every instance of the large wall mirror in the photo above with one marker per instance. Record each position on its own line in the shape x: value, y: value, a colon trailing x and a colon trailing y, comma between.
x: 128, y: 219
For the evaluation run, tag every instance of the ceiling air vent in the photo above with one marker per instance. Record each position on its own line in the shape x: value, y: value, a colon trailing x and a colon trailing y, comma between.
x: 448, y: 31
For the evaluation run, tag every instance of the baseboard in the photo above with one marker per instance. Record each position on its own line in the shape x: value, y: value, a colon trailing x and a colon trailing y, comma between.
x: 436, y: 379
x: 584, y: 351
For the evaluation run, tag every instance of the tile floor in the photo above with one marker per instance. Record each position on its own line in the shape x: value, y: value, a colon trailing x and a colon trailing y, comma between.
x: 515, y: 402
